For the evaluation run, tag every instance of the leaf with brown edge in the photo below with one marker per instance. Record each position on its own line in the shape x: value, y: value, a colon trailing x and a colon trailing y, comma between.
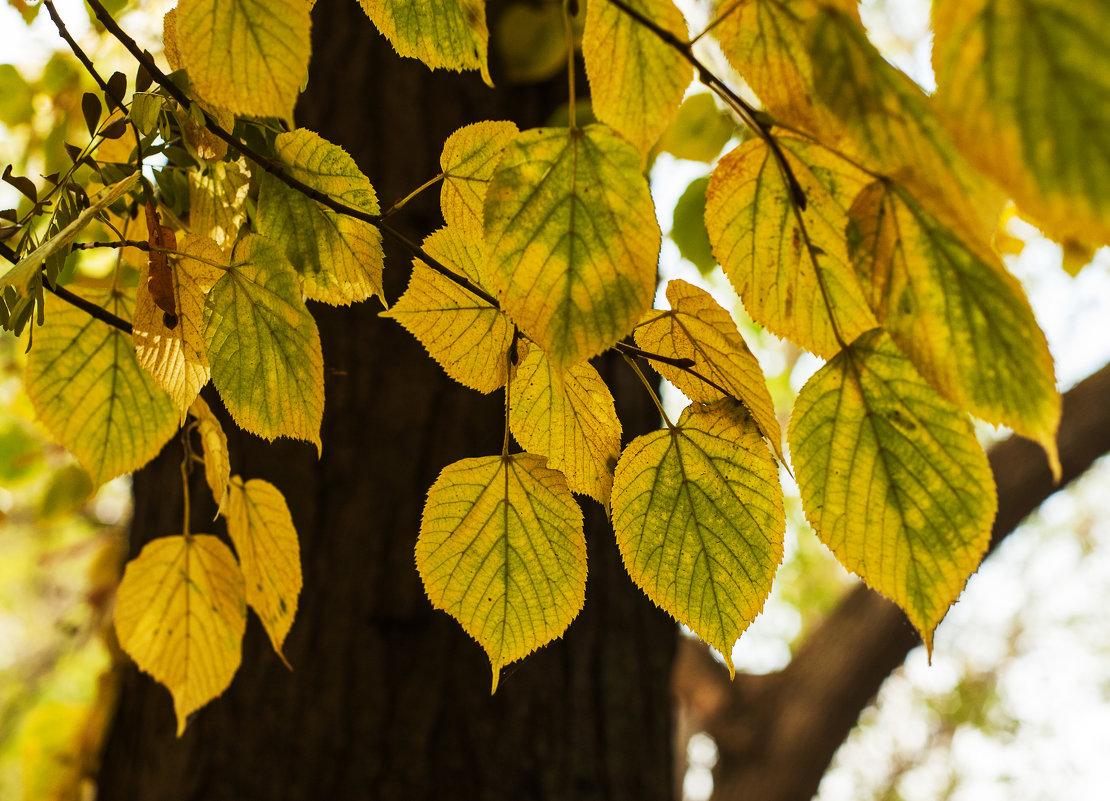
x: 159, y: 281
x: 698, y: 329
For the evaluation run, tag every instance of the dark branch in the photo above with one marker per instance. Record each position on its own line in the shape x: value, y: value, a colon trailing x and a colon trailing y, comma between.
x: 777, y: 734
x: 91, y: 308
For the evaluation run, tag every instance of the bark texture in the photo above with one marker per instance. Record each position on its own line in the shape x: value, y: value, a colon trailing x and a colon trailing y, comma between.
x: 390, y: 699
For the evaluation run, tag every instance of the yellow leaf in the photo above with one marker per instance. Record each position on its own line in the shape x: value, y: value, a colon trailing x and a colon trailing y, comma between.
x: 636, y: 79
x: 1026, y: 86
x: 243, y: 54
x: 261, y: 527
x: 570, y: 418
x: 217, y: 464
x: 892, y: 478
x: 263, y: 345
x: 339, y: 258
x: 450, y: 34
x: 467, y: 336
x: 176, y: 356
x: 697, y: 328
x: 951, y: 306
x: 469, y: 158
x: 91, y: 394
x: 180, y: 614
x: 217, y: 200
x: 790, y: 267
x: 698, y: 514
x: 501, y: 549
x: 573, y: 238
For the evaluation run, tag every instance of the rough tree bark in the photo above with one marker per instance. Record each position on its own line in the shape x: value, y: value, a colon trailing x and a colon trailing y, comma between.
x: 389, y: 699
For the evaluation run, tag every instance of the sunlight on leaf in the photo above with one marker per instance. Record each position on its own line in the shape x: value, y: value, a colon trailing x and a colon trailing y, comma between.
x: 699, y: 520
x: 217, y: 200
x: 469, y: 158
x: 573, y: 237
x: 570, y: 418
x: 91, y: 394
x: 259, y: 523
x: 180, y: 614
x: 339, y: 258
x: 892, y: 478
x: 501, y: 550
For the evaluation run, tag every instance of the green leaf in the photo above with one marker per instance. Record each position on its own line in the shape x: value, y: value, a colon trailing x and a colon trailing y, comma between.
x: 570, y: 418
x: 501, y: 549
x: 259, y: 523
x: 697, y: 328
x: 467, y: 336
x: 531, y: 41
x: 91, y: 394
x: 450, y: 34
x: 636, y: 79
x: 469, y: 158
x: 263, y: 345
x: 180, y: 614
x: 1026, y: 86
x: 688, y: 227
x: 951, y: 306
x: 892, y: 478
x: 339, y: 258
x: 573, y: 238
x: 698, y: 514
x: 246, y: 55
x: 789, y: 266
x: 699, y: 130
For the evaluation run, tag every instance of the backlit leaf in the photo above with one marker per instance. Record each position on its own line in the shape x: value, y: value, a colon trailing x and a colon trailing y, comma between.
x: 339, y: 258
x: 263, y: 345
x: 259, y: 523
x: 467, y: 336
x: 442, y: 33
x: 892, y: 478
x: 790, y: 267
x: 569, y: 417
x: 697, y: 328
x: 176, y: 357
x: 951, y: 306
x: 699, y: 520
x: 217, y: 200
x: 688, y: 227
x: 469, y: 158
x: 1027, y: 88
x: 180, y: 614
x: 699, y: 130
x: 249, y: 55
x: 636, y: 79
x: 217, y: 464
x: 501, y: 549
x: 573, y: 237
x: 91, y: 394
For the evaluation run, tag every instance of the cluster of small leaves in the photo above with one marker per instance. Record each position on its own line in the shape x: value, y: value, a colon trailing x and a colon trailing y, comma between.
x: 854, y: 218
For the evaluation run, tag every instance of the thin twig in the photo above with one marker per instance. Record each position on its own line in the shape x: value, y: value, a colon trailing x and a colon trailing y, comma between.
x: 90, y: 308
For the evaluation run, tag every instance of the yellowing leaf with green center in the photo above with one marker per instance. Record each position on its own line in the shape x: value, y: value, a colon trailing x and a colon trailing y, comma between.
x: 573, y: 238
x: 699, y: 520
x: 636, y: 79
x: 501, y: 549
x: 789, y: 266
x: 217, y: 463
x: 339, y: 258
x: 263, y: 345
x: 91, y: 394
x: 1026, y: 86
x: 249, y: 55
x: 469, y: 158
x: 217, y: 200
x: 180, y: 614
x: 467, y: 336
x: 697, y: 328
x: 570, y: 418
x: 951, y: 306
x: 892, y: 124
x: 176, y: 355
x: 259, y: 523
x: 765, y: 40
x: 892, y: 478
x: 442, y: 33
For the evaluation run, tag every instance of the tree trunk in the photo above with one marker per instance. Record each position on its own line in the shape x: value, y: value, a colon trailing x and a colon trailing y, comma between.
x: 388, y: 698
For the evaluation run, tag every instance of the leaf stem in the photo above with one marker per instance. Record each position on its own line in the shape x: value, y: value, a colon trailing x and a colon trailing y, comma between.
x: 185, y: 480
x: 400, y: 204
x: 570, y: 9
x: 651, y: 390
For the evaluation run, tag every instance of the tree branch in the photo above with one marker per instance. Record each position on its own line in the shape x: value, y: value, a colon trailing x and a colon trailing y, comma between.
x: 777, y: 734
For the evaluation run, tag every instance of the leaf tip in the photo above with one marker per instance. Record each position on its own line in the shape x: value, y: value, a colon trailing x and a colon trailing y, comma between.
x: 496, y: 678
